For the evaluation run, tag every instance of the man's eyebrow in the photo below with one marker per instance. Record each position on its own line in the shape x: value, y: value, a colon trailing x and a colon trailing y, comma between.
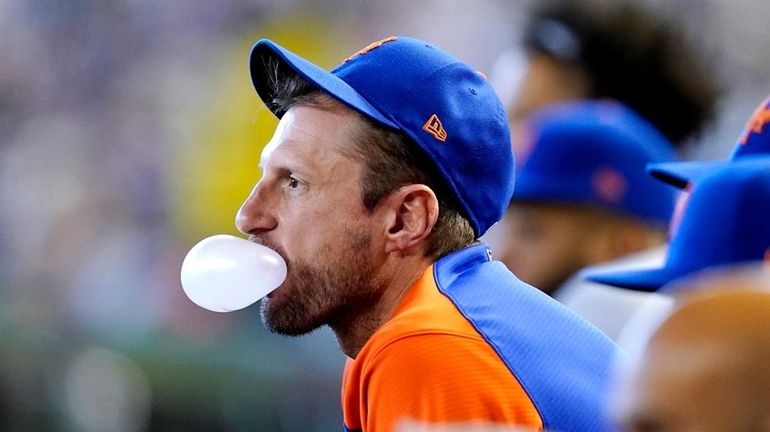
x: 286, y: 162
x: 283, y: 168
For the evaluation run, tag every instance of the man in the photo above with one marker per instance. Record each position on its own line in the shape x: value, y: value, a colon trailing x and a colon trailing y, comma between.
x: 582, y: 195
x: 621, y: 50
x: 610, y: 308
x: 723, y: 221
x: 375, y: 187
x: 591, y: 50
x: 705, y: 368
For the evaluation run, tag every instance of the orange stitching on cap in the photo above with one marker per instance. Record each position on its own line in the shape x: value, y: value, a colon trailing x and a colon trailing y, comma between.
x: 434, y: 127
x: 682, y: 201
x: 757, y: 121
x: 370, y: 47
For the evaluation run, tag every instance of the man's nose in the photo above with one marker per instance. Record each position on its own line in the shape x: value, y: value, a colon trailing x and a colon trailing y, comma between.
x: 256, y: 213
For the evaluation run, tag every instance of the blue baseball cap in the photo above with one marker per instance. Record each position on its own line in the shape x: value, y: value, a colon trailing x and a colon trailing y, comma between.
x: 726, y: 221
x: 754, y: 140
x: 446, y: 107
x: 594, y: 153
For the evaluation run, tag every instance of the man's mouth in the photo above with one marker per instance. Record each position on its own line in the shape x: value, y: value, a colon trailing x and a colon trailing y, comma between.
x: 267, y: 243
x: 274, y: 292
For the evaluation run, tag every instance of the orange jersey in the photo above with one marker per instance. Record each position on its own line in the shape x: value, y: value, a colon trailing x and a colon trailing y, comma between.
x: 430, y: 363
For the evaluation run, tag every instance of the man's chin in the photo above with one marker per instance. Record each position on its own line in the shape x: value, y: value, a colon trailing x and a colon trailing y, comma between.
x: 283, y: 322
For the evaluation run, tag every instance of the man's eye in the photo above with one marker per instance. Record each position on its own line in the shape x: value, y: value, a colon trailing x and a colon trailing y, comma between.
x: 293, y: 183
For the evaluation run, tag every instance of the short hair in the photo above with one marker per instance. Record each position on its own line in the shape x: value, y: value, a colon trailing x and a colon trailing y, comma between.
x: 391, y: 160
x: 633, y: 55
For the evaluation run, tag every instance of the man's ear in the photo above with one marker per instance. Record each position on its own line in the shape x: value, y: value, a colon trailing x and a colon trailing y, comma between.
x: 412, y: 212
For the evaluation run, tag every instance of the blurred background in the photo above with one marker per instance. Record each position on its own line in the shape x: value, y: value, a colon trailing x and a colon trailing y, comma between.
x: 129, y: 130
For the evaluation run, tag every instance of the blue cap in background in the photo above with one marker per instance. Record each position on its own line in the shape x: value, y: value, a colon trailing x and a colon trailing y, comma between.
x: 594, y: 153
x: 754, y: 140
x: 446, y: 107
x: 726, y: 221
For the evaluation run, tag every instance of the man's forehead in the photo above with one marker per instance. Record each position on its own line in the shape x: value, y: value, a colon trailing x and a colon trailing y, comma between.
x: 309, y: 131
x: 312, y: 140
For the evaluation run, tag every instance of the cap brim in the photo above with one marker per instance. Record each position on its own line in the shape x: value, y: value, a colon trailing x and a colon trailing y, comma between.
x: 648, y: 280
x: 266, y: 52
x: 679, y: 174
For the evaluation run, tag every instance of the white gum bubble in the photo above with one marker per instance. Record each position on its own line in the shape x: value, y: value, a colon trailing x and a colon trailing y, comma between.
x: 224, y: 273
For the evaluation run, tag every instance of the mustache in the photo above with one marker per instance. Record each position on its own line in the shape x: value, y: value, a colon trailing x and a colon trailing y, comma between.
x: 270, y: 244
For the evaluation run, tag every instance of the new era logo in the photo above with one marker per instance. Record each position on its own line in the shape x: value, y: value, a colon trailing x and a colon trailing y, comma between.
x: 434, y: 127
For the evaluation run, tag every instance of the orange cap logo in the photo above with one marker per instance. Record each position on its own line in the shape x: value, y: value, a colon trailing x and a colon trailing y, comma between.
x: 757, y: 121
x: 679, y: 209
x: 434, y: 127
x: 370, y: 47
x: 610, y: 184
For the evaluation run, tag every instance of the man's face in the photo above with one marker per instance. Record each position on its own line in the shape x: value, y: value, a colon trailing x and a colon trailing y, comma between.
x: 541, y: 244
x: 308, y: 208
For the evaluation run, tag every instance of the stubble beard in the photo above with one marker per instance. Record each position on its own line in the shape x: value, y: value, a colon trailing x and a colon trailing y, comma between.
x: 318, y: 292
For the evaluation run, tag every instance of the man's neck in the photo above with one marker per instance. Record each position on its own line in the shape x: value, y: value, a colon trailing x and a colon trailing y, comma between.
x: 354, y: 328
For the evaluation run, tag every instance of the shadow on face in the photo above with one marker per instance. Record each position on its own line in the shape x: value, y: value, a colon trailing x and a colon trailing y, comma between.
x: 542, y: 244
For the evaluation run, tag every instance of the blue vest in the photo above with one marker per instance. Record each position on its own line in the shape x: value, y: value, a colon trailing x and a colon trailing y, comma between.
x: 561, y: 361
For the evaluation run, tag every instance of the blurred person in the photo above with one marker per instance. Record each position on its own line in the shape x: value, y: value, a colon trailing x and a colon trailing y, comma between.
x: 375, y: 188
x: 734, y: 184
x: 593, y: 49
x: 622, y: 50
x: 582, y: 195
x: 705, y: 367
x: 724, y: 221
x: 610, y: 308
